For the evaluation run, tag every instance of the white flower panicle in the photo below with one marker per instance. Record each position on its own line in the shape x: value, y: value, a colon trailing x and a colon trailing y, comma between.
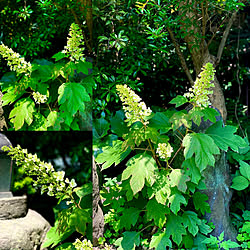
x: 74, y: 43
x: 39, y: 98
x: 15, y: 61
x: 51, y: 181
x: 164, y: 150
x: 199, y: 93
x: 135, y: 109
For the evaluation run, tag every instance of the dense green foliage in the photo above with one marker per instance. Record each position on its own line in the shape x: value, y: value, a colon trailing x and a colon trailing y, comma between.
x: 61, y: 90
x: 155, y: 203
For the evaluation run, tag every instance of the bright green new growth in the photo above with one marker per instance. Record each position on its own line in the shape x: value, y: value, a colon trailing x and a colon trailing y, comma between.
x: 75, y: 40
x: 199, y: 93
x: 15, y: 61
x: 48, y: 179
x: 135, y: 109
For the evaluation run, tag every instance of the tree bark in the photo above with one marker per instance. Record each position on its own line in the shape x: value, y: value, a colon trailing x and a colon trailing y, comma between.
x: 98, y: 218
x: 217, y: 178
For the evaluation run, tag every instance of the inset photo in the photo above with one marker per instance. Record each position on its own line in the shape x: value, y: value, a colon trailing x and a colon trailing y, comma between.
x: 45, y: 190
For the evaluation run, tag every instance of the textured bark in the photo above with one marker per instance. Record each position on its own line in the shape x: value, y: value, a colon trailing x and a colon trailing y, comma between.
x: 218, y: 181
x: 2, y: 119
x: 217, y: 178
x: 98, y: 218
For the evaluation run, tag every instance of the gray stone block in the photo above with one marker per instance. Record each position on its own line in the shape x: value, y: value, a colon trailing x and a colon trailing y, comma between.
x: 13, y: 207
x: 27, y: 233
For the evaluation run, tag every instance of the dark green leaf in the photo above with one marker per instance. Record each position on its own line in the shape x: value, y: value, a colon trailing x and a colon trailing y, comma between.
x: 72, y: 97
x: 200, y: 203
x: 112, y: 155
x: 156, y: 212
x: 224, y: 137
x: 128, y: 241
x: 203, y: 147
x: 175, y: 228
x: 129, y: 217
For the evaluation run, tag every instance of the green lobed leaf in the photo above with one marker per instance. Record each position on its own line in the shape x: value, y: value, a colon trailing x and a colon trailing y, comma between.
x: 191, y: 221
x: 179, y: 100
x: 10, y: 95
x: 246, y: 215
x: 196, y: 114
x: 22, y: 112
x: 161, y: 188
x: 156, y: 212
x: 118, y: 125
x: 203, y: 147
x: 224, y: 137
x: 175, y: 228
x: 175, y: 200
x: 141, y: 167
x: 129, y: 217
x: 83, y: 67
x: 210, y: 114
x: 161, y: 121
x: 128, y: 241
x: 72, y: 97
x: 246, y: 227
x: 204, y: 228
x: 229, y: 244
x: 200, y: 203
x: 192, y: 170
x: 245, y: 169
x: 240, y: 183
x: 160, y: 241
x: 100, y: 128
x: 39, y: 123
x: 179, y: 179
x: 112, y: 155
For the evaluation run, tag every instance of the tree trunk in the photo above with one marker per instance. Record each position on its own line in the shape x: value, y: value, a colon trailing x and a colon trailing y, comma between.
x: 2, y: 119
x: 98, y: 218
x: 217, y: 178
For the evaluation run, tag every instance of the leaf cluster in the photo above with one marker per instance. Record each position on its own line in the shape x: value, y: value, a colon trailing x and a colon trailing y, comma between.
x: 67, y: 86
x: 152, y: 198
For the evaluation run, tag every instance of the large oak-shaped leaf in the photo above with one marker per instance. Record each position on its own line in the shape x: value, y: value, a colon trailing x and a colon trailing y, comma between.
x: 112, y: 155
x: 22, y: 112
x: 224, y: 137
x: 141, y: 167
x: 203, y: 147
x: 72, y: 97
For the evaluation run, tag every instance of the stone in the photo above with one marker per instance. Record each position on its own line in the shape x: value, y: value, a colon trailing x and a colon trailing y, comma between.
x: 13, y: 207
x: 27, y: 233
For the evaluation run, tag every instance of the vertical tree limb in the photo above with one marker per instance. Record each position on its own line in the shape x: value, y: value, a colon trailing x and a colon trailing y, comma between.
x: 224, y: 37
x: 180, y: 55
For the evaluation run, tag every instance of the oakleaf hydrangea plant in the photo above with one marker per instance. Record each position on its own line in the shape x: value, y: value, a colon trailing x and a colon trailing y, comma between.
x: 199, y: 93
x: 157, y: 196
x: 48, y: 95
x: 74, y: 49
x: 50, y: 181
x: 135, y: 109
x: 15, y: 61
